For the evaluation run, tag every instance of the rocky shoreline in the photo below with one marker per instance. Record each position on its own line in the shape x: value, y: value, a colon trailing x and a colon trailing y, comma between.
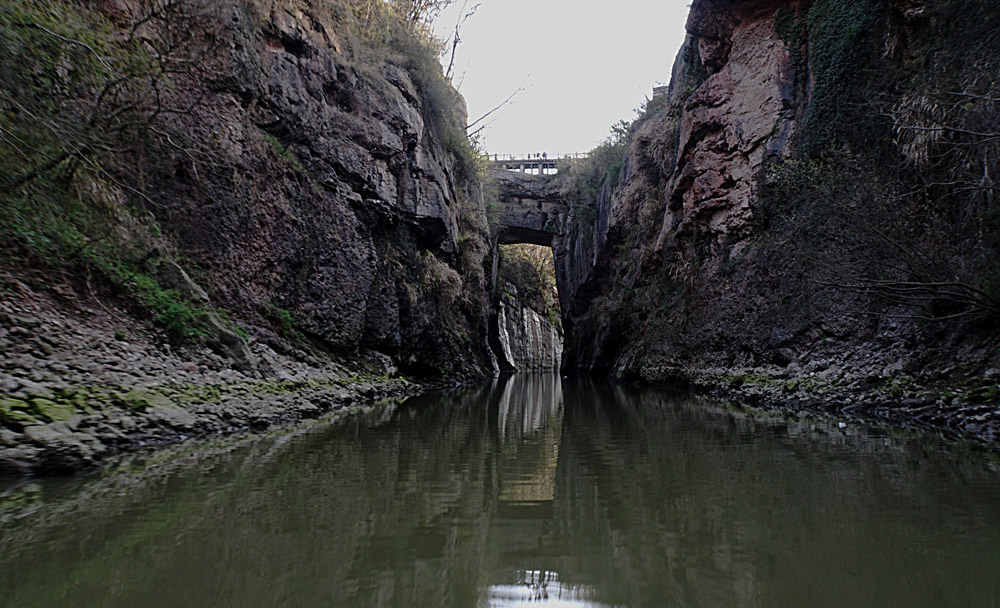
x: 82, y: 382
x: 132, y: 419
x: 965, y: 408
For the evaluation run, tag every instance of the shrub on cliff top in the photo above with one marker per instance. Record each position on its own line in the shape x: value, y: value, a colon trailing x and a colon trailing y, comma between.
x: 379, y: 16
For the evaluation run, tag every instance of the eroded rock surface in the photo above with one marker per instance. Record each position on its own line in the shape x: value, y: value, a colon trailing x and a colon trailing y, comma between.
x: 318, y: 186
x: 532, y: 209
x: 527, y: 339
x: 739, y: 115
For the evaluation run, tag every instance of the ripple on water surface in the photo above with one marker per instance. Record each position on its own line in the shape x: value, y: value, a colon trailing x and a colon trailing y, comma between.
x: 529, y: 491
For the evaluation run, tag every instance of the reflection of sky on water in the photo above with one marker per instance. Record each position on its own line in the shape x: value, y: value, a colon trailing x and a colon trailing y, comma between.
x: 479, y: 497
x: 530, y: 422
x: 539, y: 588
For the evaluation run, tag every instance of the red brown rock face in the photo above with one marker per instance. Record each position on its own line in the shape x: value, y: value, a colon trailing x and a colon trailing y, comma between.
x: 730, y: 124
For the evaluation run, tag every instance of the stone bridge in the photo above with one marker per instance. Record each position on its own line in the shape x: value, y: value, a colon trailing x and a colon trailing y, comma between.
x: 531, y: 208
x: 534, y: 210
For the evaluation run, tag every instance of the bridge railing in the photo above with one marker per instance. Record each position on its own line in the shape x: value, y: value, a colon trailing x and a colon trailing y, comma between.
x: 536, y: 157
x: 534, y: 164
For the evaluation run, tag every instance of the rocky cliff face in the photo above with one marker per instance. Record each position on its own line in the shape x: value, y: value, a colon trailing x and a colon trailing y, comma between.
x: 768, y: 219
x: 742, y: 113
x: 291, y: 201
x: 296, y: 173
x: 331, y: 193
x: 526, y: 339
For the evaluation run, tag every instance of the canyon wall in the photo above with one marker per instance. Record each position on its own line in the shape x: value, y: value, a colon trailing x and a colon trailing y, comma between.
x: 223, y: 192
x: 224, y: 215
x: 776, y: 215
x: 333, y: 193
x: 303, y: 181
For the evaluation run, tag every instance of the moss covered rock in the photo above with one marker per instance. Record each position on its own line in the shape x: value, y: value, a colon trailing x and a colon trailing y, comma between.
x: 52, y: 411
x: 143, y: 400
x: 16, y: 413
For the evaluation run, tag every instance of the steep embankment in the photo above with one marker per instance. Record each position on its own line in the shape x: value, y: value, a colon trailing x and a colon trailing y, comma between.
x: 809, y: 216
x: 210, y: 206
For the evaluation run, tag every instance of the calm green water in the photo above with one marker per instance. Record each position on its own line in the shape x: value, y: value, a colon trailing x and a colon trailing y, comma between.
x: 570, y: 493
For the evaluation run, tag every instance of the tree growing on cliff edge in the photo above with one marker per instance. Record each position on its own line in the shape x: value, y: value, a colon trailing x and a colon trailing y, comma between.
x: 421, y: 11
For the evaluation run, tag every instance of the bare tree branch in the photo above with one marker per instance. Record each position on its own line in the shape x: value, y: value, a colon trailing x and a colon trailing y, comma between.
x: 456, y: 37
x: 500, y: 105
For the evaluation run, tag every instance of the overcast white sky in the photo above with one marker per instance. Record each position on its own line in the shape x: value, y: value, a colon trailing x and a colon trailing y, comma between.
x: 584, y: 65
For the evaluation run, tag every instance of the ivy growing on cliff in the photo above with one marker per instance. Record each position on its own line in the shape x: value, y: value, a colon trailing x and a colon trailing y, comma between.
x: 840, y: 52
x: 790, y: 27
x: 695, y: 74
x: 895, y: 188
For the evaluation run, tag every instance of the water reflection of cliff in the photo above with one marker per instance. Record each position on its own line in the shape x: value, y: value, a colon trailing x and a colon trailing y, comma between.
x: 530, y: 411
x: 526, y: 403
x: 526, y: 488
